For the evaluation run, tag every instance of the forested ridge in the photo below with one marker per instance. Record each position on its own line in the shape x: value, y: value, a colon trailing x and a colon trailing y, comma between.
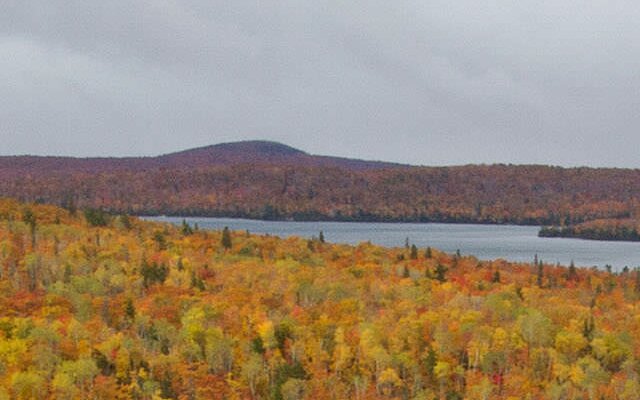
x: 267, y: 180
x: 95, y: 306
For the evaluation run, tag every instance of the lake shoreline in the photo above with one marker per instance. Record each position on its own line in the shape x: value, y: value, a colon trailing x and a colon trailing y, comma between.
x: 516, y: 243
x: 544, y: 231
x: 455, y: 221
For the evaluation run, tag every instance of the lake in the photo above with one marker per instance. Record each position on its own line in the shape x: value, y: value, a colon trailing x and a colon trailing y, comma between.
x: 487, y: 242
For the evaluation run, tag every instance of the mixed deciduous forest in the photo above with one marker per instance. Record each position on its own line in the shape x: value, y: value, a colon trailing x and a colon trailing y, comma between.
x: 267, y: 180
x: 96, y: 306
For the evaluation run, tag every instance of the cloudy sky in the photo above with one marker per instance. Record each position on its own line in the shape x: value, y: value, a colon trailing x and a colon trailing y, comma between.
x: 418, y: 81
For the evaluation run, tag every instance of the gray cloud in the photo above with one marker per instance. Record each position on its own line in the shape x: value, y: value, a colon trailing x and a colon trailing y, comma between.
x: 434, y: 82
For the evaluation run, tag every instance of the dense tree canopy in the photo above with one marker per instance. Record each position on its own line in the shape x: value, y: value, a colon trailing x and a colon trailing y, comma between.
x: 133, y: 309
x: 309, y: 189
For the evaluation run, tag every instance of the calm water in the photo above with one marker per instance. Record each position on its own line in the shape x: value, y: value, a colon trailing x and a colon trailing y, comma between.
x: 515, y: 243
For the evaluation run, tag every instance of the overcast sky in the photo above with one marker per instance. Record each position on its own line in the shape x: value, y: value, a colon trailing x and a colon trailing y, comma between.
x: 424, y: 82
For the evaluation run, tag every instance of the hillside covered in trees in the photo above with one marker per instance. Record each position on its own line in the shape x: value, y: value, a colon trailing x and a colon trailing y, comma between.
x: 104, y: 307
x: 268, y: 180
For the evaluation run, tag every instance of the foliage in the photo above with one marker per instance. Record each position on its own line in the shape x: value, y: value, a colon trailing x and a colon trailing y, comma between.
x: 625, y: 229
x: 129, y: 316
x: 254, y: 184
x: 226, y: 238
x: 96, y: 217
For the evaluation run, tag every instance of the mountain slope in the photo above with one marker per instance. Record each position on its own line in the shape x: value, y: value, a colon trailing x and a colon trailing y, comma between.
x: 269, y: 180
x: 245, y: 152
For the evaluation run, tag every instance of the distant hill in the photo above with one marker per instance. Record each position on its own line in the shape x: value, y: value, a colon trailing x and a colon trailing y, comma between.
x: 260, y: 152
x: 253, y: 152
x: 268, y: 180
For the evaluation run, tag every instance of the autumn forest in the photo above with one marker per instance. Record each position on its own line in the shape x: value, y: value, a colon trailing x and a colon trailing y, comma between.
x: 267, y: 180
x: 98, y: 306
x: 311, y: 200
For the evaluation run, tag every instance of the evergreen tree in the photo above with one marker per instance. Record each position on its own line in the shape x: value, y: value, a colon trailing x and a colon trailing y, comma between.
x: 428, y: 253
x: 180, y: 264
x: 69, y: 204
x: 160, y: 239
x: 429, y: 362
x: 226, y: 238
x: 68, y: 272
x: 496, y: 277
x: 588, y: 328
x: 186, y: 229
x: 321, y: 237
x: 29, y: 218
x: 197, y: 282
x: 540, y: 273
x: 153, y: 273
x: 130, y: 310
x: 414, y: 252
x: 126, y: 221
x: 573, y: 274
x: 456, y: 259
x: 441, y: 272
x: 96, y: 217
